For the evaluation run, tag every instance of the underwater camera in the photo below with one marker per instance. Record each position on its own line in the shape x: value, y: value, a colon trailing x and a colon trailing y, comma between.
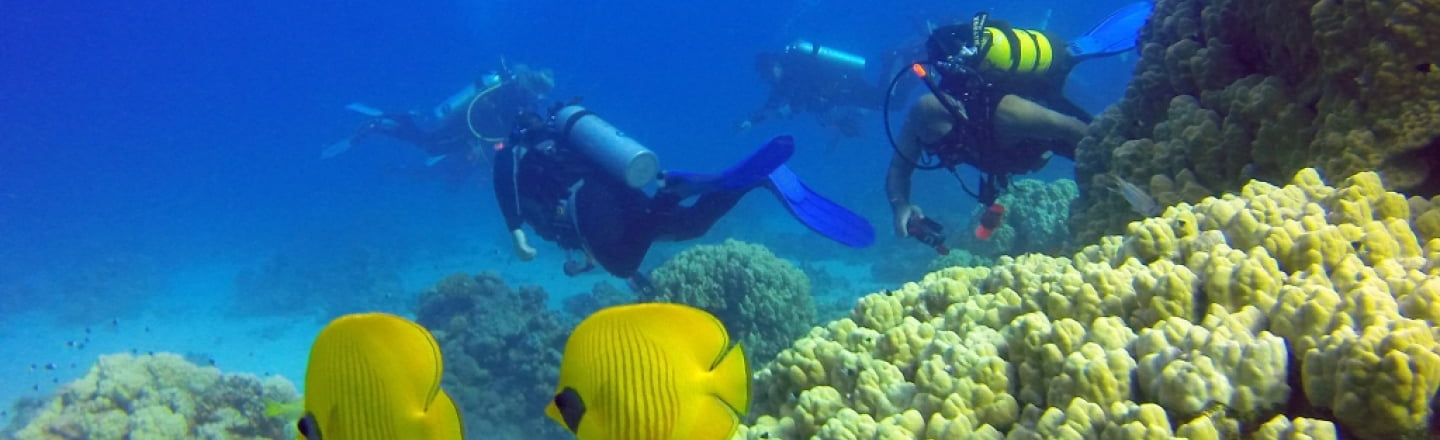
x: 929, y: 232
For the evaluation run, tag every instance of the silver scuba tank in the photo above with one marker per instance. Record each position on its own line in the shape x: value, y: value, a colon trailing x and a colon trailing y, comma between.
x: 456, y: 104
x: 617, y: 154
x: 828, y: 55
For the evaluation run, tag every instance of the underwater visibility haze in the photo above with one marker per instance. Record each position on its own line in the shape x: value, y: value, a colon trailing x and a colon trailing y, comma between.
x: 760, y: 220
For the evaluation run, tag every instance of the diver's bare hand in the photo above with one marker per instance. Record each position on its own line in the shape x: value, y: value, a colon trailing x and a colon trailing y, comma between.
x: 903, y: 214
x: 523, y: 251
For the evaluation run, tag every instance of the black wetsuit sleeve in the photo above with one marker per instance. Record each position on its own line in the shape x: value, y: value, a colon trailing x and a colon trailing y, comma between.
x: 506, y: 189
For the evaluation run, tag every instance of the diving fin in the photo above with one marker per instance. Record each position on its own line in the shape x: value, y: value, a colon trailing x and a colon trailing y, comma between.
x: 1117, y: 34
x: 336, y: 148
x: 365, y: 110
x: 751, y: 171
x: 818, y: 213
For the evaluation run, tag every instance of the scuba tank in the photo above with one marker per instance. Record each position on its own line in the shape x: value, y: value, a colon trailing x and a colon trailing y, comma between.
x: 1029, y: 52
x: 827, y: 55
x: 619, y: 155
x: 456, y: 103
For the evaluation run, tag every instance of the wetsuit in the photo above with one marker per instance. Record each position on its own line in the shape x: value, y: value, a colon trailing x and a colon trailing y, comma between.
x: 809, y: 85
x: 569, y: 201
x: 491, y: 117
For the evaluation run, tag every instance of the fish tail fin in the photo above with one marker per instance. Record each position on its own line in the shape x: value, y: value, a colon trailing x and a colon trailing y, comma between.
x: 443, y: 420
x: 719, y: 414
x: 732, y: 380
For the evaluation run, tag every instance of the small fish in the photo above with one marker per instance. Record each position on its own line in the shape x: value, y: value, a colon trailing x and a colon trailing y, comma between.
x: 651, y: 370
x: 50, y: 367
x: 1426, y: 68
x: 1140, y: 202
x: 292, y: 411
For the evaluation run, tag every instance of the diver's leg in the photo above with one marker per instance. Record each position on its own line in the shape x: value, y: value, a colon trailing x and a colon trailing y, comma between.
x: 1017, y: 118
x: 611, y: 220
x: 672, y: 222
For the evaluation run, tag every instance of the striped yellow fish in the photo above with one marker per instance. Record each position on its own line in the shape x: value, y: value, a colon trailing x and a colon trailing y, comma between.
x: 651, y: 371
x: 376, y: 376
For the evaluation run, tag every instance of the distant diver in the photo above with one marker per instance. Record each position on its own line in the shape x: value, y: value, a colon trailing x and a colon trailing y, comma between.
x: 811, y: 78
x: 469, y: 125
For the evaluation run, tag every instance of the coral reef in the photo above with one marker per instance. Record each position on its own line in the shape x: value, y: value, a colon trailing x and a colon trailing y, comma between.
x: 1036, y: 215
x: 161, y: 396
x: 1230, y: 90
x: 502, y: 351
x: 603, y: 294
x: 763, y: 300
x: 1304, y: 311
x: 332, y: 284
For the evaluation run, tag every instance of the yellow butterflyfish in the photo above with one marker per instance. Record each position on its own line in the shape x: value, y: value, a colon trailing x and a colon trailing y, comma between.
x: 376, y: 376
x: 651, y: 371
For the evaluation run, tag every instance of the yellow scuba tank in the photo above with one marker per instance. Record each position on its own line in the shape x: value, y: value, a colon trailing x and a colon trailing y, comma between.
x: 1018, y: 52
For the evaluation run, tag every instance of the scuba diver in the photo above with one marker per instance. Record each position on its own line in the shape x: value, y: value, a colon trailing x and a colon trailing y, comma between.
x: 996, y: 104
x: 469, y: 125
x: 579, y: 182
x: 825, y: 81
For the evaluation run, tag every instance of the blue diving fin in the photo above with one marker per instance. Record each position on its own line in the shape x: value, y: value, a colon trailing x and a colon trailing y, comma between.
x: 818, y: 213
x: 1118, y: 33
x: 748, y: 173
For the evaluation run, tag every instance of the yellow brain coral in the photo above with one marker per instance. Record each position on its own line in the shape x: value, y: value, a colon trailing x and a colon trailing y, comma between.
x: 1209, y: 321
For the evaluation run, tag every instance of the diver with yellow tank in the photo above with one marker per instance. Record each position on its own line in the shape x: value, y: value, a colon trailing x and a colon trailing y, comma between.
x: 996, y: 105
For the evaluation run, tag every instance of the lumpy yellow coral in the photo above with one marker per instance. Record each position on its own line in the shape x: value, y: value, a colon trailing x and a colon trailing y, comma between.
x: 1206, y: 322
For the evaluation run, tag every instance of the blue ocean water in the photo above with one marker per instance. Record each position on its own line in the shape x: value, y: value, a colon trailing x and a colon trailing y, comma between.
x: 154, y: 152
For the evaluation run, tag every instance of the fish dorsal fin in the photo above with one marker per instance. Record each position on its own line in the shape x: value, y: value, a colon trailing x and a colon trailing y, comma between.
x: 695, y: 336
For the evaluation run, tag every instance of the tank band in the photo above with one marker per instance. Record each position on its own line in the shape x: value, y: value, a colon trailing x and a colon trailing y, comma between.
x: 570, y: 122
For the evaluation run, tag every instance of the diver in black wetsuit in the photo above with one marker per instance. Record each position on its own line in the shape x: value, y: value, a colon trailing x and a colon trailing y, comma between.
x: 808, y: 78
x: 551, y: 176
x: 465, y: 125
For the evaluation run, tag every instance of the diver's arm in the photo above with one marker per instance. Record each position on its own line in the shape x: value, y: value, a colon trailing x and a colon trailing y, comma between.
x: 928, y: 122
x: 509, y: 200
x: 897, y: 184
x: 1017, y: 117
